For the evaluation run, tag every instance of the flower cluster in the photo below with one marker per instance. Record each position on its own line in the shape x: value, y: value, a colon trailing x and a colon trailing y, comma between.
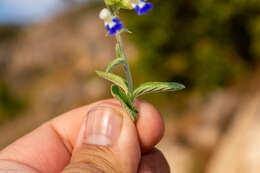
x: 114, y: 25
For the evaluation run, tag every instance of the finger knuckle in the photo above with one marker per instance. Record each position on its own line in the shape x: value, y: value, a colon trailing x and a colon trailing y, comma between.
x: 97, y: 159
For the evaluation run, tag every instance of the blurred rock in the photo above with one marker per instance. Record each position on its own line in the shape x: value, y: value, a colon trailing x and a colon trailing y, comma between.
x: 201, y: 128
x: 239, y: 151
x: 179, y: 157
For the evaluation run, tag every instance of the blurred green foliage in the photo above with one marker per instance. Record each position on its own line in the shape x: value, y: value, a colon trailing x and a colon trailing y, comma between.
x: 204, y: 44
x: 9, y: 33
x: 10, y: 104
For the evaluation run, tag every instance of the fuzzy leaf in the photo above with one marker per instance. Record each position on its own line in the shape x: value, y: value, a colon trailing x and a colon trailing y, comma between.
x: 114, y: 63
x: 125, y: 101
x: 155, y: 87
x: 118, y: 80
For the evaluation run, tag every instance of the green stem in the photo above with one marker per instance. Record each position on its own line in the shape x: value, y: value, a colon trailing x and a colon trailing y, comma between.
x: 126, y: 65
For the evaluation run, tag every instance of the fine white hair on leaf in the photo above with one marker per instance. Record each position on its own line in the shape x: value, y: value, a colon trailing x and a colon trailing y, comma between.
x: 105, y: 13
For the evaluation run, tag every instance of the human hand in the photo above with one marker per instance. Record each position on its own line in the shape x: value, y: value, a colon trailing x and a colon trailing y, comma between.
x: 98, y: 138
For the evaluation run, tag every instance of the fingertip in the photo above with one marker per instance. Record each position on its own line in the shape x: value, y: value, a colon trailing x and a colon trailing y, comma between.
x: 150, y: 125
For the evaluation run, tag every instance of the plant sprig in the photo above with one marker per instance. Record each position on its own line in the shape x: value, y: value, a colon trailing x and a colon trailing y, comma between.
x: 122, y: 89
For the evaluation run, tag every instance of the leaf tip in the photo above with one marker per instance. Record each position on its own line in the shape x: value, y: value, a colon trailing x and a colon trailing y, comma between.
x: 99, y: 72
x: 182, y: 86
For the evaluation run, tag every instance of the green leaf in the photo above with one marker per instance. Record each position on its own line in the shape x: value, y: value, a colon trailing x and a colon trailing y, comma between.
x: 114, y: 63
x: 155, y: 87
x: 125, y: 101
x: 114, y: 79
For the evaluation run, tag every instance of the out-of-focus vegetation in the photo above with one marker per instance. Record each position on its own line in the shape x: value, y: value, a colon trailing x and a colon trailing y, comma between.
x: 204, y: 44
x: 10, y: 104
x: 9, y: 33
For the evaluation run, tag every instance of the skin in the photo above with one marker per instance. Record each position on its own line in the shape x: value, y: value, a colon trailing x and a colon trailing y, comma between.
x: 52, y: 147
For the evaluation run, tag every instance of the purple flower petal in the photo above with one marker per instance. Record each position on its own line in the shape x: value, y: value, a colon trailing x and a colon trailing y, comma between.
x: 143, y: 10
x: 117, y: 26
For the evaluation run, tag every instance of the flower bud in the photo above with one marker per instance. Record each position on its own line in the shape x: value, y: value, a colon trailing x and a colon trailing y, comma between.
x: 119, y: 4
x: 104, y: 14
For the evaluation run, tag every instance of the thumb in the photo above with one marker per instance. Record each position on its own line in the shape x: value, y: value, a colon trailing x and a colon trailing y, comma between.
x: 108, y: 142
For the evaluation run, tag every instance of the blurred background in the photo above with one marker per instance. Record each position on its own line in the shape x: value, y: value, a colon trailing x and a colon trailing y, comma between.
x: 49, y: 50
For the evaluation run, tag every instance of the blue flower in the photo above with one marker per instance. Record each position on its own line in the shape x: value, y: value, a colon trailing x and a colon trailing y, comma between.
x: 142, y: 7
x: 112, y: 23
x: 114, y: 26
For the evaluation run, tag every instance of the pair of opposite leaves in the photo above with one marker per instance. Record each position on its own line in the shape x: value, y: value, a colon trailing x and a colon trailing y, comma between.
x: 121, y: 92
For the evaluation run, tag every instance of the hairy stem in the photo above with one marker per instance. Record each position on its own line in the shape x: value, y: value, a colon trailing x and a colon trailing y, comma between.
x: 126, y: 65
